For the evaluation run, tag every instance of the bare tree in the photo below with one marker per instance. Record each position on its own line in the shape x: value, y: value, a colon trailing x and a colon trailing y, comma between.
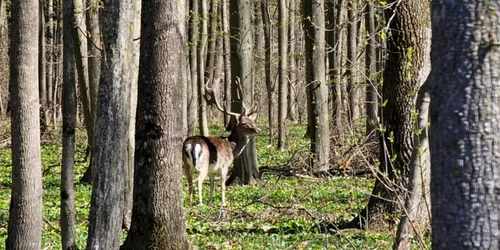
x: 113, y: 116
x: 292, y: 74
x: 25, y: 214
x: 68, y: 212
x: 318, y: 127
x: 464, y: 132
x: 158, y: 213
x: 227, y: 57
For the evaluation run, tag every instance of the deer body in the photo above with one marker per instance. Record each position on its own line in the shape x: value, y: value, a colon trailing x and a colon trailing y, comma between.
x: 212, y: 155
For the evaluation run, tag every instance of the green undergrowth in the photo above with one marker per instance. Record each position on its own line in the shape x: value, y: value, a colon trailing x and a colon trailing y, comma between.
x: 277, y: 213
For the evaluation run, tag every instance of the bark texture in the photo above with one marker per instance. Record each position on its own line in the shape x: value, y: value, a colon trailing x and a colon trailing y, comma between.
x: 158, y: 212
x: 113, y: 116
x: 283, y: 76
x: 25, y: 214
x: 465, y: 132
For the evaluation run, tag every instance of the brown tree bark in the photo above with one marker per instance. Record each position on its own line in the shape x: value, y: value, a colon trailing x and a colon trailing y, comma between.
x: 314, y: 26
x: 110, y: 157
x: 25, y: 213
x: 158, y: 214
x: 464, y: 132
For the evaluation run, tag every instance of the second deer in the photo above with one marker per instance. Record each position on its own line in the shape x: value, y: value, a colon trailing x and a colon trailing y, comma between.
x: 212, y: 155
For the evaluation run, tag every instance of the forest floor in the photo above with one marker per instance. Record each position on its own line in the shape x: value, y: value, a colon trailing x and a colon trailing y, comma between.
x: 288, y: 209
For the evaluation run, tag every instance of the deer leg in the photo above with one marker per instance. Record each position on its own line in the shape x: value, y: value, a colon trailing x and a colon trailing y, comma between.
x: 223, y: 175
x: 201, y: 178
x: 189, y: 175
x: 212, y: 185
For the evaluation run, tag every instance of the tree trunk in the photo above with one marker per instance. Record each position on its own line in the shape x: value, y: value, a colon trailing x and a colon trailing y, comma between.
x: 227, y: 59
x: 268, y: 60
x: 371, y: 71
x: 113, y: 117
x: 158, y: 215
x: 318, y: 123
x: 193, y: 65
x: 292, y: 74
x: 212, y: 39
x: 68, y: 212
x: 416, y: 213
x: 245, y: 167
x: 202, y: 43
x: 334, y: 63
x: 465, y: 133
x: 352, y: 63
x: 407, y: 45
x: 25, y: 213
x: 94, y: 51
x: 283, y: 81
x: 41, y: 57
x: 129, y: 175
x: 4, y: 58
x: 82, y: 65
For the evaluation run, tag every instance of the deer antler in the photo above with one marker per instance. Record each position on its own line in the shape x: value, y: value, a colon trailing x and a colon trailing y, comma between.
x: 211, y: 98
x: 244, y: 109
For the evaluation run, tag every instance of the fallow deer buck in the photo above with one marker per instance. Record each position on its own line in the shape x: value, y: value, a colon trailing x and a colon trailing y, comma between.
x: 211, y: 155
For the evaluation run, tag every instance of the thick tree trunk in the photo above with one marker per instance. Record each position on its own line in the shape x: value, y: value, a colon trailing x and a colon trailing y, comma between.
x: 407, y: 44
x: 315, y: 78
x: 464, y: 132
x: 212, y: 39
x: 113, y: 117
x: 158, y: 214
x: 69, y: 103
x: 25, y: 213
x: 245, y: 167
x: 282, y: 73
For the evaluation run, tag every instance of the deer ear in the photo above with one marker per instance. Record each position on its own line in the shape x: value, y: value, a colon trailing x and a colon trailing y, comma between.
x: 253, y: 117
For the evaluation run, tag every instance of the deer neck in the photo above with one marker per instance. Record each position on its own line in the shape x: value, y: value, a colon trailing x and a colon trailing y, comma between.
x: 240, y: 141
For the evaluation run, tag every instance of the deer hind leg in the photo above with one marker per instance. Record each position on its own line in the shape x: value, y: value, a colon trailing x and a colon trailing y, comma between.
x: 189, y: 175
x: 223, y: 175
x: 201, y: 178
x: 212, y: 185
